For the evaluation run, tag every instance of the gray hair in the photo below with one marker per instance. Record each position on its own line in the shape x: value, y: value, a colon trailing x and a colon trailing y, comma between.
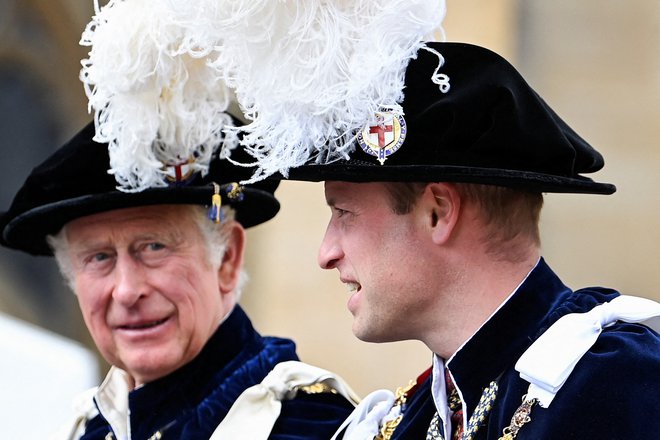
x: 215, y: 236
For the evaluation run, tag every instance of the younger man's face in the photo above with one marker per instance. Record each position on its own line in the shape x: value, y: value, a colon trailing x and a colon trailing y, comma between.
x: 380, y: 258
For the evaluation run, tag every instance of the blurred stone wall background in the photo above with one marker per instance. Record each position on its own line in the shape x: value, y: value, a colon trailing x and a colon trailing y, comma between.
x: 596, y: 62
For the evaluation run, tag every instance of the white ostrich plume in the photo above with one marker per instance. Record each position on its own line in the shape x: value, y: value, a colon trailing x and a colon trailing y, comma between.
x: 156, y: 98
x: 309, y: 74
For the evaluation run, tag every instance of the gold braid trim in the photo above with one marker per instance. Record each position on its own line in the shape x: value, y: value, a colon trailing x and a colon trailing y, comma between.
x: 317, y: 388
x: 401, y: 395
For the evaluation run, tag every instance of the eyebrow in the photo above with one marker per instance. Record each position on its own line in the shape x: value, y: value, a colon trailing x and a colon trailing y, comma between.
x: 88, y: 244
x: 99, y: 242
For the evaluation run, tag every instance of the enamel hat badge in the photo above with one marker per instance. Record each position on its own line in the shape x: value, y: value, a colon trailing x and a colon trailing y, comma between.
x: 385, y: 137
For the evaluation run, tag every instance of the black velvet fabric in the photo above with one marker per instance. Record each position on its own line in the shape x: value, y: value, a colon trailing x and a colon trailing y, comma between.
x: 74, y: 182
x: 191, y: 402
x: 491, y: 127
x: 613, y: 393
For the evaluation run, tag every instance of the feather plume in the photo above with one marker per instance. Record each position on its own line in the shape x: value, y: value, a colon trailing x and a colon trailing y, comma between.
x: 156, y: 99
x: 310, y: 73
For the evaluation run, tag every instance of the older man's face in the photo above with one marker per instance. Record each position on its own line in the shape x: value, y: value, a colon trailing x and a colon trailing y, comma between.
x: 147, y: 292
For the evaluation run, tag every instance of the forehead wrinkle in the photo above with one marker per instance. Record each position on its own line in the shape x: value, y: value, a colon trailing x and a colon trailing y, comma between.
x: 100, y: 231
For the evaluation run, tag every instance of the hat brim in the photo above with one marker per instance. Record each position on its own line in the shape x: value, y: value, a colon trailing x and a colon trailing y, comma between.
x: 28, y: 230
x: 358, y: 171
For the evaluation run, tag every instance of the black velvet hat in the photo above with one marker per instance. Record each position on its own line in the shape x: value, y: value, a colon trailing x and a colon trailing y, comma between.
x: 485, y: 125
x: 74, y: 182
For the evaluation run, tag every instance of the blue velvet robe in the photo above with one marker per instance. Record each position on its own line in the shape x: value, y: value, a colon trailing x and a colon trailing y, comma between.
x: 192, y: 401
x: 613, y: 393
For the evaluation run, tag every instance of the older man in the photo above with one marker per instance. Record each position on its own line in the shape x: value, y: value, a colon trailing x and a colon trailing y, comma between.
x: 434, y: 229
x: 158, y: 283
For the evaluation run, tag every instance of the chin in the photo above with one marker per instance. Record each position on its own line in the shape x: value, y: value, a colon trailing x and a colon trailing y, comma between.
x: 369, y: 335
x: 152, y: 367
x: 376, y: 335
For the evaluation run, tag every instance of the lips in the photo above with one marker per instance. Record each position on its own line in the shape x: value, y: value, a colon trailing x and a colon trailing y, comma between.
x: 354, y: 289
x: 142, y: 325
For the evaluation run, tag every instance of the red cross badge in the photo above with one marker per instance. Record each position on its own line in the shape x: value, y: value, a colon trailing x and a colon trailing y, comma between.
x: 180, y: 173
x: 384, y: 138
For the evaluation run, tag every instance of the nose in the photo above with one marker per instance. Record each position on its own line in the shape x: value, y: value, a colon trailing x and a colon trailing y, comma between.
x: 330, y: 252
x: 130, y: 281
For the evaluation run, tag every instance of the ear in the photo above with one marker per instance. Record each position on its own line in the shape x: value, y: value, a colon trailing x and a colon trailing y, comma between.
x: 232, y: 261
x: 443, y: 204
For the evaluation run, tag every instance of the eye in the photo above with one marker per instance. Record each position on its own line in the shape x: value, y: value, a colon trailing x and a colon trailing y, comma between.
x: 339, y: 212
x: 155, y: 246
x: 99, y: 257
x: 153, y: 252
x: 97, y: 261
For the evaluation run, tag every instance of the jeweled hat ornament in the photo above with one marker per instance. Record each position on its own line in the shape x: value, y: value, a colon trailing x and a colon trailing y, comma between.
x: 161, y: 133
x: 355, y: 91
x: 385, y: 137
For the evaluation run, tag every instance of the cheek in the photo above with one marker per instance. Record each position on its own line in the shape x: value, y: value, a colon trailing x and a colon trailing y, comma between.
x: 393, y: 259
x: 93, y: 300
x: 194, y: 292
x: 208, y: 299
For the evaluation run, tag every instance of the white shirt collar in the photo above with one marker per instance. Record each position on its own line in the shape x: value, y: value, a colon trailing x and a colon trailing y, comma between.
x: 439, y: 392
x: 112, y: 401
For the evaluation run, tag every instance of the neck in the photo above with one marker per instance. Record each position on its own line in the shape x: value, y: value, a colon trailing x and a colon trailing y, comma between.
x: 478, y: 289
